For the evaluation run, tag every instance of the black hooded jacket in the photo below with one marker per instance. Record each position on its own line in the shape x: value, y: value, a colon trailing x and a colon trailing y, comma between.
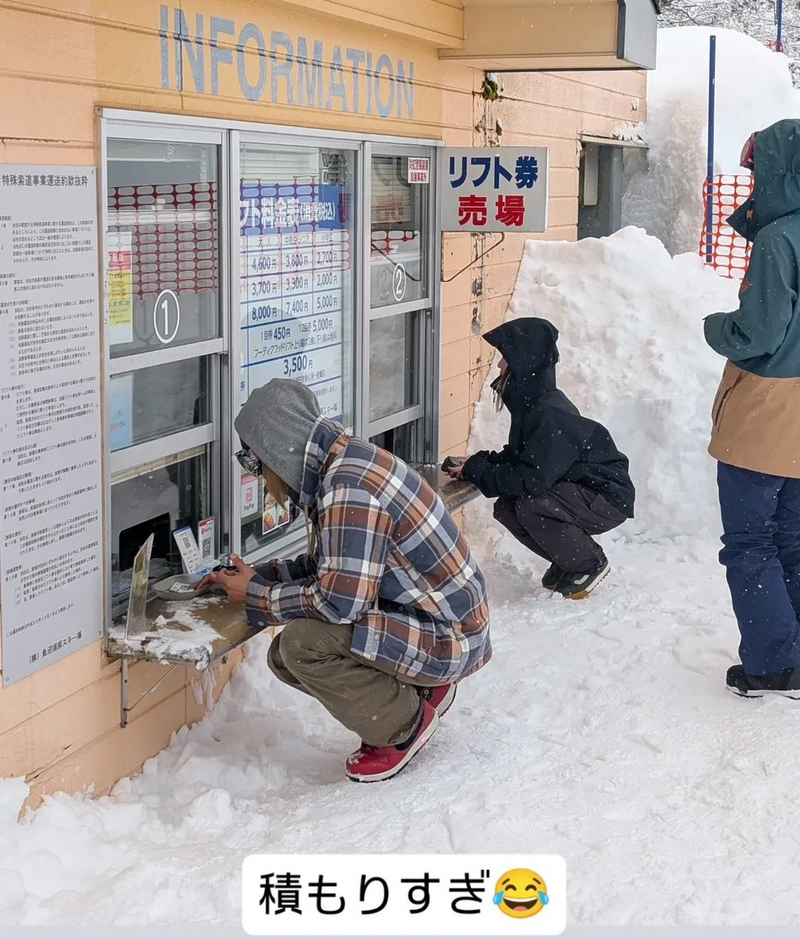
x: 550, y: 441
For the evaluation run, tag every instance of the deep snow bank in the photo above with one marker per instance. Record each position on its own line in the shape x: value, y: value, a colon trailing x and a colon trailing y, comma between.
x: 634, y: 358
x: 754, y: 89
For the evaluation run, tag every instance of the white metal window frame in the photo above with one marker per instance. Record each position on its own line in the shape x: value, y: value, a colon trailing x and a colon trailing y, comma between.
x: 208, y: 437
x: 224, y: 351
x: 428, y: 306
x: 288, y: 139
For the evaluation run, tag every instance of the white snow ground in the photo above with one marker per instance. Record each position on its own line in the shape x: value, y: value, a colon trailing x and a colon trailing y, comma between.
x: 601, y: 730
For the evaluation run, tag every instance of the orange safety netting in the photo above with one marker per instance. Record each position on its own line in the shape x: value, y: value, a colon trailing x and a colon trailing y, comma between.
x: 729, y: 252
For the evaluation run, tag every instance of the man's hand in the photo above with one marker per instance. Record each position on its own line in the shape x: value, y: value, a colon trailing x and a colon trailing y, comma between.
x: 453, y: 466
x: 234, y: 583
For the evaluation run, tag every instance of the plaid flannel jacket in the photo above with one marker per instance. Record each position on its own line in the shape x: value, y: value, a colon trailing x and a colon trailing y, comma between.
x: 389, y: 559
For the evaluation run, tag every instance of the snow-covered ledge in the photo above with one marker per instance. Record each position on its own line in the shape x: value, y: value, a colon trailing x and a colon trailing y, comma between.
x: 196, y: 632
x: 200, y: 632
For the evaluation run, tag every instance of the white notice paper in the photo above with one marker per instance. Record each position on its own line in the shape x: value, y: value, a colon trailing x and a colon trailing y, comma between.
x: 190, y: 553
x: 51, y: 529
x: 206, y: 536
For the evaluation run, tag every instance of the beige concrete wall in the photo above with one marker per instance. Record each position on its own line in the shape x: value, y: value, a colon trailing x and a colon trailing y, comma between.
x: 437, y: 21
x: 60, y: 728
x: 61, y: 60
x: 542, y: 109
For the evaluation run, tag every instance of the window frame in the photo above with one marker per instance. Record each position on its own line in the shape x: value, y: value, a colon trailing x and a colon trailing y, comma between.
x: 428, y: 306
x: 207, y: 437
x: 218, y: 434
x: 288, y: 140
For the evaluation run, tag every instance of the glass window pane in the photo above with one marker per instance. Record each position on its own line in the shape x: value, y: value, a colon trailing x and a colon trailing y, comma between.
x: 296, y: 214
x: 163, y: 244
x: 394, y: 364
x: 154, y: 402
x: 158, y: 502
x: 262, y: 519
x: 399, y: 236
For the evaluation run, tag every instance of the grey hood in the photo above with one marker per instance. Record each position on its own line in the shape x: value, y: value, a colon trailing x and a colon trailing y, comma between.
x: 276, y: 424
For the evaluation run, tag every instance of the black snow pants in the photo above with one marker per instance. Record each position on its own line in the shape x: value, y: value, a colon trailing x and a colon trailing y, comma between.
x: 558, y: 525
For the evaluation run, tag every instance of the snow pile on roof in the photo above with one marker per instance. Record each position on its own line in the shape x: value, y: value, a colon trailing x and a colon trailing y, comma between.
x: 754, y: 89
x: 632, y: 357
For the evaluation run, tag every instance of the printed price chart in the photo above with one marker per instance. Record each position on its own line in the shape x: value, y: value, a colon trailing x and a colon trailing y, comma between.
x: 295, y: 259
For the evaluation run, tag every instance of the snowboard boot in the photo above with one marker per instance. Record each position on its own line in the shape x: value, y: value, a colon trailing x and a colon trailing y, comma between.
x: 441, y: 697
x: 579, y: 586
x: 375, y: 764
x: 785, y: 683
x: 551, y: 577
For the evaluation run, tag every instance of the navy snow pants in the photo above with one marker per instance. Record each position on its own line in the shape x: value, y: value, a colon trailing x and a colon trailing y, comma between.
x: 761, y: 555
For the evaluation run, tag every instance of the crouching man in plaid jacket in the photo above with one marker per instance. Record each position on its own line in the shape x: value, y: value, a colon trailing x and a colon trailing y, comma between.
x: 388, y: 609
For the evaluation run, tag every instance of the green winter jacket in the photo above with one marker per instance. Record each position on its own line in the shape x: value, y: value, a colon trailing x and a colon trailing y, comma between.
x: 756, y: 413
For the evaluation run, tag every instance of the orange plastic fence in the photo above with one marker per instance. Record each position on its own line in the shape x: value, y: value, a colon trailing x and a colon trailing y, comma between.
x: 730, y: 253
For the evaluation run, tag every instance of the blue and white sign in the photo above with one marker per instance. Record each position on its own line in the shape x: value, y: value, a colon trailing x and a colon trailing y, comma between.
x: 295, y: 257
x: 496, y: 189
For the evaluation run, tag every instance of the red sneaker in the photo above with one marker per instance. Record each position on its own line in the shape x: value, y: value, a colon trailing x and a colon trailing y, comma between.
x: 441, y: 697
x: 374, y: 764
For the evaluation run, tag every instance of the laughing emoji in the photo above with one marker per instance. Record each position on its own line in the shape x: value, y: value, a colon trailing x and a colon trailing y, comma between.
x: 521, y: 894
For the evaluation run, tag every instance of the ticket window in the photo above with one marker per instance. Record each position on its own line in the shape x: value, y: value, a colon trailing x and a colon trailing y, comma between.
x: 401, y: 361
x: 297, y: 281
x: 164, y: 335
x: 233, y: 258
x: 336, y: 290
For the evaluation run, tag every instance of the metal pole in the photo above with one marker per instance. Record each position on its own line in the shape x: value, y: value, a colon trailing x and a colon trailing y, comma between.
x: 779, y: 19
x: 712, y: 83
x: 124, y: 709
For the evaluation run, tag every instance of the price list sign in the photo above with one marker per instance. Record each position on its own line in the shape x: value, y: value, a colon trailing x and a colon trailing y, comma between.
x: 295, y: 275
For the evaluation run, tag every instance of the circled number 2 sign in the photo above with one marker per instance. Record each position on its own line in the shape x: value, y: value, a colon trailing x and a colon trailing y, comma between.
x: 166, y: 316
x: 399, y: 281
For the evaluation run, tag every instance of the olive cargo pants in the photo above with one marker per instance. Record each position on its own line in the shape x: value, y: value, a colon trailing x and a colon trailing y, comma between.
x: 367, y: 698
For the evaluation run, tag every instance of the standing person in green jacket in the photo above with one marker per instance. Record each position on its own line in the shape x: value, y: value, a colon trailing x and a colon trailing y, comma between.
x: 756, y: 422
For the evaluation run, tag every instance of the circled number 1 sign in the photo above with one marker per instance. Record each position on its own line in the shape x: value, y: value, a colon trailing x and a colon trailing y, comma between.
x: 166, y: 316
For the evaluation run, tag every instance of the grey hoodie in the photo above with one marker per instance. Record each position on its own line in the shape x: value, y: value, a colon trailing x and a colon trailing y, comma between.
x: 276, y: 424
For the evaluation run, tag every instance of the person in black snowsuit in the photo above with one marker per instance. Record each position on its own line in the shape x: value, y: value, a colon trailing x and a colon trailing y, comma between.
x: 560, y: 479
